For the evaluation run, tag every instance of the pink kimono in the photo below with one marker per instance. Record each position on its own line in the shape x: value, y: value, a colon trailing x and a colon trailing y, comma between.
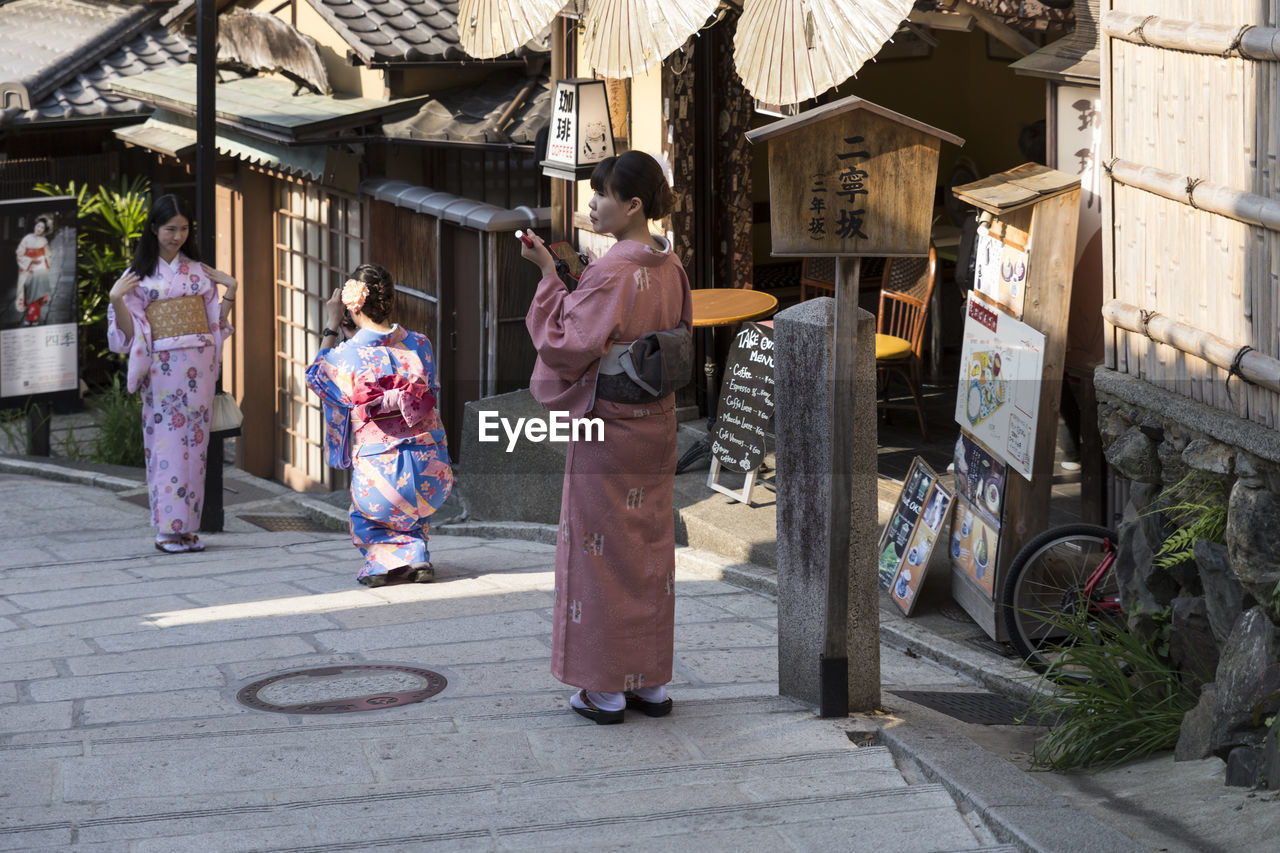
x: 615, y: 554
x: 176, y: 376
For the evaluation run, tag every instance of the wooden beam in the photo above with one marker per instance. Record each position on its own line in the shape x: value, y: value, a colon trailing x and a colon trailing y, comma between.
x: 996, y: 28
x: 1256, y: 367
x: 1232, y: 203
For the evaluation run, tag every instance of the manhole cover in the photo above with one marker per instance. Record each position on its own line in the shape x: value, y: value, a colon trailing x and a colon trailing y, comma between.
x: 291, y: 523
x: 342, y: 689
x: 984, y: 709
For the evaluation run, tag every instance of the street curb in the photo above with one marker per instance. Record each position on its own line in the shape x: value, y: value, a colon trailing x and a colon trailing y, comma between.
x: 992, y: 672
x: 64, y: 474
x: 1017, y: 808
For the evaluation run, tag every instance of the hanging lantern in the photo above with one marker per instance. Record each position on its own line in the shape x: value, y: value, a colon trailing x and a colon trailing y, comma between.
x: 579, y: 135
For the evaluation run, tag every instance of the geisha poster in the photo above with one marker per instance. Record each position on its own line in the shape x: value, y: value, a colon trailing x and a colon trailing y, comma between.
x: 1000, y: 371
x: 39, y: 338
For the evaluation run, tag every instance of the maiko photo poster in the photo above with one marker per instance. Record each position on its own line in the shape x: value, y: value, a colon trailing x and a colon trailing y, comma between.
x: 39, y: 299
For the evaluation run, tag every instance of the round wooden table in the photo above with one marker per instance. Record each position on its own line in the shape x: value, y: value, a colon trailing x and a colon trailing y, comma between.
x: 720, y: 306
x: 712, y: 307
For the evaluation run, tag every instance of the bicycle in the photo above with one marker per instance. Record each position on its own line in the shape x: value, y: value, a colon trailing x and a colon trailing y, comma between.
x: 1058, y: 575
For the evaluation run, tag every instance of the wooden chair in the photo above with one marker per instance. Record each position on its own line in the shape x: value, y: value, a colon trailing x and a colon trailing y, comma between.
x: 818, y: 276
x: 905, y: 290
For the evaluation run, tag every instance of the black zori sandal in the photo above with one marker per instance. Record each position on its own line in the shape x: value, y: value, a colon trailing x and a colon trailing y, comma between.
x: 421, y: 573
x: 591, y: 712
x: 649, y: 709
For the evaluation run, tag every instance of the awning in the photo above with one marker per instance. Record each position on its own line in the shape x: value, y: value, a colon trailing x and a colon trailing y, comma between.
x: 175, y: 136
x: 263, y: 105
x: 1071, y: 59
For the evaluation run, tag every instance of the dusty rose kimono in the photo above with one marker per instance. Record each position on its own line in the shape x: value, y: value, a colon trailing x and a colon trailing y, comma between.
x: 615, y: 554
x: 176, y: 376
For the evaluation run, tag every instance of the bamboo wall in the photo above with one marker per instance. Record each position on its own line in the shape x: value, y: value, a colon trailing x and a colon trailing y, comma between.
x: 1215, y: 119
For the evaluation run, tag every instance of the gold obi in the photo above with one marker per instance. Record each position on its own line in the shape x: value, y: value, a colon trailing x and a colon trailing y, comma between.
x: 181, y: 315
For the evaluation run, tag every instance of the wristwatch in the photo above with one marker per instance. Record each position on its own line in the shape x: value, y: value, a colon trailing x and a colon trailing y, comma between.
x: 327, y: 332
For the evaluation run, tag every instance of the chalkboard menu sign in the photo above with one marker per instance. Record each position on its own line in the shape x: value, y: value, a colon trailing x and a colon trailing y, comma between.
x: 746, y: 400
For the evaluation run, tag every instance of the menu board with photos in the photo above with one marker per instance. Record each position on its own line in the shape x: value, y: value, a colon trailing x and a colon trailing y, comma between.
x: 974, y: 542
x: 908, y: 539
x: 1000, y: 271
x: 980, y: 478
x: 1001, y: 363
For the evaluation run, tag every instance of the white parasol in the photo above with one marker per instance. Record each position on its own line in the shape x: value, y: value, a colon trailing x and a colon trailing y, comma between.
x: 788, y: 51
x: 489, y: 28
x: 623, y: 38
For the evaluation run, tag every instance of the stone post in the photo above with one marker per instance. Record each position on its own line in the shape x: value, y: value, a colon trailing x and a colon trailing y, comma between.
x: 803, y: 337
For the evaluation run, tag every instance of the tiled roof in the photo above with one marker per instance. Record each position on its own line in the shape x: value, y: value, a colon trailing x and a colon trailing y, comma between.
x: 397, y: 30
x: 86, y: 96
x: 469, y: 114
x: 45, y: 42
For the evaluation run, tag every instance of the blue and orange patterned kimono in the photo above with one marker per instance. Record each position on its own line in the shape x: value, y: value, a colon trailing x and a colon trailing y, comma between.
x: 379, y: 394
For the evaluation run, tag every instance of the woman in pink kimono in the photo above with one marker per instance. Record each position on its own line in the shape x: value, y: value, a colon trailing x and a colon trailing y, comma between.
x: 165, y: 313
x: 379, y: 391
x: 615, y: 554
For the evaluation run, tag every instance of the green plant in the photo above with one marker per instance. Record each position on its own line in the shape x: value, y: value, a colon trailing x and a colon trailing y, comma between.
x: 71, y: 447
x: 13, y: 424
x: 119, y: 419
x: 1197, y: 506
x: 1118, y: 698
x: 110, y: 221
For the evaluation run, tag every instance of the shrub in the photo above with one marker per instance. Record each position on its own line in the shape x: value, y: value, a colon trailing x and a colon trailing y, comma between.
x: 1118, y: 698
x: 119, y: 418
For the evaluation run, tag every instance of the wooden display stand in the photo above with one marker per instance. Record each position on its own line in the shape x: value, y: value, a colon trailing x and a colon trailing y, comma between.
x: 846, y: 180
x: 1035, y: 208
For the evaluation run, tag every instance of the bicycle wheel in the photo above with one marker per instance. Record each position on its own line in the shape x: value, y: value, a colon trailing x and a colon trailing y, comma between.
x: 1046, y: 582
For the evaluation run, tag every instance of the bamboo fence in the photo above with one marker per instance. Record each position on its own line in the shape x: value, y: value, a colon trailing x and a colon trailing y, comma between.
x: 1193, y: 152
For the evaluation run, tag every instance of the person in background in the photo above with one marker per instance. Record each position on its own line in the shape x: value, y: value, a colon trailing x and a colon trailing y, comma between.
x: 379, y: 389
x: 614, y: 616
x: 165, y: 313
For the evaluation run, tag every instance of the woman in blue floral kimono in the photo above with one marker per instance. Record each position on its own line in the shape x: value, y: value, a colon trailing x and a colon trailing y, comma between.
x: 379, y: 392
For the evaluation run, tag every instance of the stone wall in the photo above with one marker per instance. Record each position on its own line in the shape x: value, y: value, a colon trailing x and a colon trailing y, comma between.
x: 1221, y: 605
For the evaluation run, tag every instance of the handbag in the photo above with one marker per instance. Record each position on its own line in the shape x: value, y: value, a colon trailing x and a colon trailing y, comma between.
x: 180, y: 315
x: 226, y: 415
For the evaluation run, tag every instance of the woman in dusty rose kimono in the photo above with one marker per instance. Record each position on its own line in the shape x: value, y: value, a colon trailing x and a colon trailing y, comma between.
x: 615, y: 554
x: 379, y: 390
x: 165, y: 313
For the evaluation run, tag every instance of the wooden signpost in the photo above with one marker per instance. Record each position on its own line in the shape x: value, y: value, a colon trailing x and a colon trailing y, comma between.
x: 1011, y: 376
x: 745, y: 409
x: 847, y: 179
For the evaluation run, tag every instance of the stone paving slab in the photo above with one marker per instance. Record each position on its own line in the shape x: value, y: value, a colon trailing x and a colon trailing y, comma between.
x: 120, y: 723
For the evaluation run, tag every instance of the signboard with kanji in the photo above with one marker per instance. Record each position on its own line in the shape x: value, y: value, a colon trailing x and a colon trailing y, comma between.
x: 857, y: 180
x: 579, y: 135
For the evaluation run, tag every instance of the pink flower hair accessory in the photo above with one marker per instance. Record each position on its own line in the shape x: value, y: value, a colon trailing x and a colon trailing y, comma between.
x: 354, y: 293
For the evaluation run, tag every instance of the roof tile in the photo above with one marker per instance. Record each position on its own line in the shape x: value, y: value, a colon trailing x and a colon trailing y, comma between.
x: 397, y: 30
x: 85, y: 96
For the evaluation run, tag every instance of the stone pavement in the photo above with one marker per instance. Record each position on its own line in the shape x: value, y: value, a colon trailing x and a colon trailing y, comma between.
x: 120, y: 728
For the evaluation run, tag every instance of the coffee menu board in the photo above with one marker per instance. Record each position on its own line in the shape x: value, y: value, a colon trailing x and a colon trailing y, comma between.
x: 974, y: 542
x: 908, y: 539
x: 980, y: 478
x: 746, y: 400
